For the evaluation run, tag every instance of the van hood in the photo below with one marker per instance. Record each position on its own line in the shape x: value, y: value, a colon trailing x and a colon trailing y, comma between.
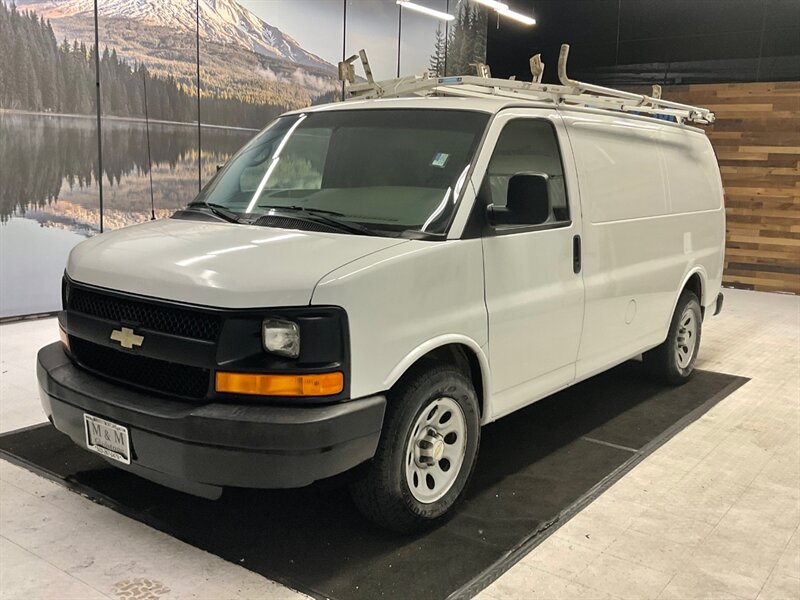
x: 224, y: 265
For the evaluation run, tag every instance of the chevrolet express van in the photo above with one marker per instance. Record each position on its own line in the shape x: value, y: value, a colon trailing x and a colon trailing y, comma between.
x: 365, y: 284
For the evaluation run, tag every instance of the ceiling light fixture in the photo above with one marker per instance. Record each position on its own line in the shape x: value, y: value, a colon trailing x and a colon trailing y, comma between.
x: 426, y: 11
x: 502, y: 9
x: 524, y: 19
x: 498, y: 6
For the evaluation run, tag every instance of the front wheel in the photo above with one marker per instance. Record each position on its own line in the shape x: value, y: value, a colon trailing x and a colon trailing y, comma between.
x: 673, y: 361
x: 426, y: 453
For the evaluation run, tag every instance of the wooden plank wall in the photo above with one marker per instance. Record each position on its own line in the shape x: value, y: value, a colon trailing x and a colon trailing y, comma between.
x: 757, y: 140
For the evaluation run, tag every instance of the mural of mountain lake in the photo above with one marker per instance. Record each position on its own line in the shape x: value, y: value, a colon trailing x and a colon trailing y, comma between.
x: 49, y: 197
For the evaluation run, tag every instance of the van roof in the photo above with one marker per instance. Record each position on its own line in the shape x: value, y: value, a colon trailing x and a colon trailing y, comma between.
x: 488, y: 105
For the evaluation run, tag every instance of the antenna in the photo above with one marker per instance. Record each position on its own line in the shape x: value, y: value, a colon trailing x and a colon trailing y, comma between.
x: 149, y: 158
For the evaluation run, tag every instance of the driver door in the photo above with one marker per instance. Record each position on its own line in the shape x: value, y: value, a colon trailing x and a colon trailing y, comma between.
x: 533, y: 284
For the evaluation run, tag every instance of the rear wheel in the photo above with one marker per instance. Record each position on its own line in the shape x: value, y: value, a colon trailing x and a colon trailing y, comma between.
x: 426, y: 453
x: 673, y: 361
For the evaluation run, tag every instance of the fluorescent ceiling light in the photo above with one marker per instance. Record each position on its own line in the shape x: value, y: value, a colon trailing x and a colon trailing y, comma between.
x: 525, y: 19
x: 503, y: 9
x: 498, y: 6
x: 426, y: 11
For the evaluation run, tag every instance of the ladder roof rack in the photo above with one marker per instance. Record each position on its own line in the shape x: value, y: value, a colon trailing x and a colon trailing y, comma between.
x: 569, y: 93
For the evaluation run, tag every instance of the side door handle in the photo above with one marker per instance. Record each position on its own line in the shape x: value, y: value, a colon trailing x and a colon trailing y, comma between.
x: 576, y: 254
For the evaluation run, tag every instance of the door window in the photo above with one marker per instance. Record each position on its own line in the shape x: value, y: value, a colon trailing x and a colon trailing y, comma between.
x: 527, y: 147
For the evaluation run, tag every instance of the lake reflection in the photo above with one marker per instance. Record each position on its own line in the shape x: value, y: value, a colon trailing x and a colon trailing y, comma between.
x: 49, y: 175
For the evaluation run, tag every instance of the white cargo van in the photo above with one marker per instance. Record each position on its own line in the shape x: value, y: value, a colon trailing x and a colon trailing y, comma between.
x: 365, y: 284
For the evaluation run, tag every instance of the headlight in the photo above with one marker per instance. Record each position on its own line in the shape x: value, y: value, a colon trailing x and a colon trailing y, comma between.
x: 281, y: 337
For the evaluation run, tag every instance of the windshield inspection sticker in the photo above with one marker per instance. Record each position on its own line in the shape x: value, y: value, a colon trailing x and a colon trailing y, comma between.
x: 440, y: 160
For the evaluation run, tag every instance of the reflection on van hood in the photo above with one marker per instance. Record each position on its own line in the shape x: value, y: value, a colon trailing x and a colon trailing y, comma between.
x: 217, y: 264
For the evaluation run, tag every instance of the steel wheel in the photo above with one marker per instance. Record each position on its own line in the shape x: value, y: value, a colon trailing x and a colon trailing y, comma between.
x: 435, y: 450
x: 686, y: 339
x: 426, y: 453
x: 672, y: 362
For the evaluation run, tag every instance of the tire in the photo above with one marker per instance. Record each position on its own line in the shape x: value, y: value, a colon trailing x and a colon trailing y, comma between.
x: 673, y: 361
x: 395, y: 491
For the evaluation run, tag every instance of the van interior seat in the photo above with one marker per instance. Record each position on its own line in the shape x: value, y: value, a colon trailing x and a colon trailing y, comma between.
x: 504, y: 166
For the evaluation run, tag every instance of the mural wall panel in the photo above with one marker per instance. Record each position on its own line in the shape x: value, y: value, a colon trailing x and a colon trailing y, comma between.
x: 373, y: 26
x: 257, y: 59
x: 48, y: 149
x: 423, y: 40
x: 147, y: 69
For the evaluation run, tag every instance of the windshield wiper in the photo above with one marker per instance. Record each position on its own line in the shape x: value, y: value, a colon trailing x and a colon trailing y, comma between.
x: 218, y: 210
x: 326, y: 216
x: 311, y: 210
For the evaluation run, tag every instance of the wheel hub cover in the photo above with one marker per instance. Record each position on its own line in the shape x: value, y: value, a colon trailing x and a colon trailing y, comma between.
x: 438, y: 449
x: 435, y: 450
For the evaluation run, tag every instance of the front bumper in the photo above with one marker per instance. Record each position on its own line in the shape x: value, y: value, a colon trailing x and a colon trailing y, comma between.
x: 199, y: 448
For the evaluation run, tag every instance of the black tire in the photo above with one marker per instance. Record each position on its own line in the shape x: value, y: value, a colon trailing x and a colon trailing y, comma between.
x: 382, y: 494
x: 663, y: 361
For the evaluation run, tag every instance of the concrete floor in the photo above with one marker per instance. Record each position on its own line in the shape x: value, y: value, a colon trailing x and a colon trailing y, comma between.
x: 714, y: 513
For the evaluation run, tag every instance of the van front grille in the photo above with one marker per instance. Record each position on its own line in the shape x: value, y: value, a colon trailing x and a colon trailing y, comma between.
x: 141, y: 371
x: 174, y: 321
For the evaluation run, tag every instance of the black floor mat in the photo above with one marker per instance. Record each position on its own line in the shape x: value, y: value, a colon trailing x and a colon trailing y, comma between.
x: 536, y: 468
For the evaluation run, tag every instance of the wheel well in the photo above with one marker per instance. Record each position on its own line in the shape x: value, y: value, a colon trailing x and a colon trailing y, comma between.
x: 461, y: 356
x: 695, y: 284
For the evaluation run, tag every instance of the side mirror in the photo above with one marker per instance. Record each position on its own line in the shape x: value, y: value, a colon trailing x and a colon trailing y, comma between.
x: 498, y: 215
x: 527, y: 202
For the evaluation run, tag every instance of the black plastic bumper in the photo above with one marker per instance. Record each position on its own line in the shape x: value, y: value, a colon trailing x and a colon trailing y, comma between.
x: 199, y: 447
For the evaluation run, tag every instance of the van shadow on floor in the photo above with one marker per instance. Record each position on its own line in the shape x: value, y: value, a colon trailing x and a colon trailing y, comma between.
x: 535, y: 468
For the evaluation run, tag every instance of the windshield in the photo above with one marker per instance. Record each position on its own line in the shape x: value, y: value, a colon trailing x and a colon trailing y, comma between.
x: 383, y: 170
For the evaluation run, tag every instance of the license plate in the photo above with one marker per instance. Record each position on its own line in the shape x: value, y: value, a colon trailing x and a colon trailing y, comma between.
x: 107, y: 438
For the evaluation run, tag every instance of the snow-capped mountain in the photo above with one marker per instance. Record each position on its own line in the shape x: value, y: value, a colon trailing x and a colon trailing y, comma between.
x: 223, y: 21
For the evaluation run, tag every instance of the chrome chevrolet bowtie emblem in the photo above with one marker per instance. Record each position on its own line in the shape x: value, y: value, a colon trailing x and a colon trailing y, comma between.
x: 127, y: 338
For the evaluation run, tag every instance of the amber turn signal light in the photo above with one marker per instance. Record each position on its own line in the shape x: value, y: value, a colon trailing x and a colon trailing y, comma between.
x: 263, y: 384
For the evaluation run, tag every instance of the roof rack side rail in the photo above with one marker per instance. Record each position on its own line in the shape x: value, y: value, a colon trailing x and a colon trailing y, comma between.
x: 696, y: 113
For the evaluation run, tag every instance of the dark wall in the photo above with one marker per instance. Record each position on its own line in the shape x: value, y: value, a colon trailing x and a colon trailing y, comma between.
x: 619, y: 42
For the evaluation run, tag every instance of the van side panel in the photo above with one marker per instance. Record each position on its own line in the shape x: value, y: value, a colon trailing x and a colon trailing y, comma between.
x: 692, y: 171
x: 640, y: 242
x: 619, y: 167
x: 695, y: 189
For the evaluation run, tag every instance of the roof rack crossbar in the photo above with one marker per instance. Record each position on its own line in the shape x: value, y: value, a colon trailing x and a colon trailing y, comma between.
x: 570, y: 92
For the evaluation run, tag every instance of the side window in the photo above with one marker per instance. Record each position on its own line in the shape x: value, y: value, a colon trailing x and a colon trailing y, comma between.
x: 524, y: 180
